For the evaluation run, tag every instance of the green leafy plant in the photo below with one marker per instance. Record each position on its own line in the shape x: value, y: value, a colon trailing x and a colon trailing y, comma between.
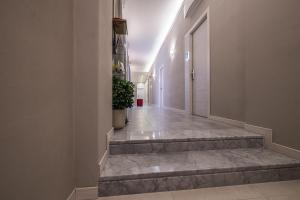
x: 123, y: 93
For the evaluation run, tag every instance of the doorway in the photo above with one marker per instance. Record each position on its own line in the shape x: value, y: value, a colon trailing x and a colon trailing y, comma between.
x: 197, y: 63
x: 161, y: 87
x: 200, y: 71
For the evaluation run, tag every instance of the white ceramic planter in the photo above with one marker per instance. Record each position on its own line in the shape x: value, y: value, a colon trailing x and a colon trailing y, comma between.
x: 119, y: 118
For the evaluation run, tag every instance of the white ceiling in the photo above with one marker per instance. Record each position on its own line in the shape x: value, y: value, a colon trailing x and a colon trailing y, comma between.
x: 148, y: 21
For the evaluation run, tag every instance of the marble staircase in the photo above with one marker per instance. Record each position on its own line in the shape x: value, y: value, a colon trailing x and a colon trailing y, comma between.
x: 155, y: 161
x: 136, y: 142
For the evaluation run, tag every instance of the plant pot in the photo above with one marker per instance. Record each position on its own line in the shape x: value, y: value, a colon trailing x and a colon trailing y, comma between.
x: 119, y: 118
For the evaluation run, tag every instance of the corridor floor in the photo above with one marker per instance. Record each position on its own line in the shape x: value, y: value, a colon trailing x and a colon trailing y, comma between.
x: 153, y: 123
x: 151, y: 118
x: 287, y: 190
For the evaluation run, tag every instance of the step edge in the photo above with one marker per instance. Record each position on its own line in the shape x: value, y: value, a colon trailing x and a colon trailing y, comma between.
x: 197, y: 172
x: 119, y: 142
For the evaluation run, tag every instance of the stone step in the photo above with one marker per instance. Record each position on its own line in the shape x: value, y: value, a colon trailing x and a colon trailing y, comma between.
x: 144, y: 173
x: 136, y: 142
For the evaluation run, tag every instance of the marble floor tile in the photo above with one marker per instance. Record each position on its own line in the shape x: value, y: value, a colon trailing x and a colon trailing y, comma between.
x: 184, y: 145
x: 284, y: 197
x: 221, y: 193
x: 287, y: 190
x: 156, y: 125
x: 147, y: 196
x: 149, y: 127
x: 245, y: 192
x: 158, y: 119
x: 120, y: 167
x: 181, y: 135
x: 275, y: 189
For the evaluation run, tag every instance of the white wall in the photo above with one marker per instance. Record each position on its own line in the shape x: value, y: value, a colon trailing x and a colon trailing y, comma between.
x: 36, y: 128
x: 93, y: 86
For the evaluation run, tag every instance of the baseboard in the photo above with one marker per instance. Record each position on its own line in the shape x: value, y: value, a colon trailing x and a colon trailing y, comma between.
x: 266, y: 132
x: 293, y: 153
x: 91, y: 193
x: 108, y: 137
x: 268, y: 137
x: 103, y: 159
x: 232, y: 122
x: 259, y: 130
x: 72, y: 196
x: 88, y: 193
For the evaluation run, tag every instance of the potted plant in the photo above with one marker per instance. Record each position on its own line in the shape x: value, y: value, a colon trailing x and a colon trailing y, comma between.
x: 123, y: 93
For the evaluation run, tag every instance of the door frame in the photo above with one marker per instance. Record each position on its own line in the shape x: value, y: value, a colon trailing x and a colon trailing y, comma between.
x: 189, y: 63
x: 150, y: 86
x: 161, y: 86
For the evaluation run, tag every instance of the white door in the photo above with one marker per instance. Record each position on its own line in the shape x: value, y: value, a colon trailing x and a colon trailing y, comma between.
x: 150, y: 91
x: 161, y: 87
x: 201, y: 71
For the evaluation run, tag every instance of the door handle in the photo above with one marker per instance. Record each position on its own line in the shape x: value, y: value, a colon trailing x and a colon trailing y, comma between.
x: 193, y: 74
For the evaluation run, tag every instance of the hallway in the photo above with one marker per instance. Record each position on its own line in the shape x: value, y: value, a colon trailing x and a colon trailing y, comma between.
x: 70, y: 69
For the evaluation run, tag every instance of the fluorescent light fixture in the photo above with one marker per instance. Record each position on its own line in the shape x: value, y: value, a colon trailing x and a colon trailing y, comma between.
x: 164, y: 32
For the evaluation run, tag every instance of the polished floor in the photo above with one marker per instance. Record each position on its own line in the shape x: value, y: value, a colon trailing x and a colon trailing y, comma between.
x: 153, y: 123
x: 151, y: 118
x: 137, y: 166
x: 287, y: 190
x: 167, y: 150
x: 155, y: 130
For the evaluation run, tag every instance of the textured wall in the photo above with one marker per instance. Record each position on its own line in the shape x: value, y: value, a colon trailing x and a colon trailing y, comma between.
x: 36, y: 139
x: 272, y: 29
x: 105, y: 75
x: 93, y: 118
x: 55, y: 95
x: 227, y: 59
